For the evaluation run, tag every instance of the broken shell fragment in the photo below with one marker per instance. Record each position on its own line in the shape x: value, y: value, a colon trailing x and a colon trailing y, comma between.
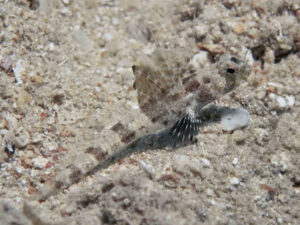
x: 233, y: 119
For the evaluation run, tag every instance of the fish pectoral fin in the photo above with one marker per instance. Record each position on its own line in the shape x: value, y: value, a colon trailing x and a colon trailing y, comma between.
x: 189, y: 125
x: 185, y: 128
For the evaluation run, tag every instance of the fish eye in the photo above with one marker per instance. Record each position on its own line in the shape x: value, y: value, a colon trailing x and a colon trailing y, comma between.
x: 230, y: 71
x: 235, y: 60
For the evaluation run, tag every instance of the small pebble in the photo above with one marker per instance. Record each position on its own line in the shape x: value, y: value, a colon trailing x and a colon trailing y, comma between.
x: 234, y: 181
x: 281, y: 161
x: 261, y: 135
x: 69, y: 209
x: 212, y: 202
x: 146, y: 167
x: 199, y: 60
x: 240, y: 28
x: 210, y: 192
x: 18, y: 170
x: 22, y: 140
x: 206, y: 162
x: 18, y: 71
x: 280, y: 220
x: 64, y: 10
x: 22, y: 183
x: 290, y: 100
x: 36, y: 79
x: 66, y: 2
x: 6, y: 63
x: 3, y: 123
x: 66, y: 132
x: 40, y: 162
x: 135, y: 106
x: 10, y: 148
x: 212, y: 48
x: 201, y: 30
x: 33, y: 173
x: 235, y: 161
x: 239, y: 136
x: 108, y: 36
x: 36, y: 138
x: 281, y: 101
x: 51, y: 46
x: 18, y: 199
x: 51, y: 146
x: 126, y: 202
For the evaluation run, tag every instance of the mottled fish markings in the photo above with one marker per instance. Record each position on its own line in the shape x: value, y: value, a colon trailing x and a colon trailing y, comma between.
x: 171, y: 91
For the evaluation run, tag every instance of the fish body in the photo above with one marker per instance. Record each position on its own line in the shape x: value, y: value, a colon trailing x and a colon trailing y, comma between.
x: 170, y: 89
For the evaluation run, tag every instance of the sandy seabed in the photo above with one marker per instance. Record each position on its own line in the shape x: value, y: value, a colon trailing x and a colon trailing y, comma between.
x: 67, y: 102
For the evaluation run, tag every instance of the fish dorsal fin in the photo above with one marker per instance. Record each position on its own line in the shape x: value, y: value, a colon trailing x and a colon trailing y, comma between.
x: 158, y: 78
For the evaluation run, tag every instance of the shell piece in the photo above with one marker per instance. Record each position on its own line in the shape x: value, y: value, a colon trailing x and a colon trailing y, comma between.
x: 233, y: 119
x: 170, y: 87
